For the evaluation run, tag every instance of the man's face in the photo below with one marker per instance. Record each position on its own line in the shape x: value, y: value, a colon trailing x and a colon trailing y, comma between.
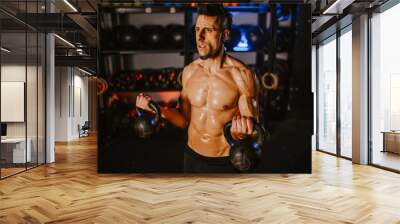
x: 208, y: 36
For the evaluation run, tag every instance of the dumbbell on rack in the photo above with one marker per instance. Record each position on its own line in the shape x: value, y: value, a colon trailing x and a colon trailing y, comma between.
x: 147, y: 80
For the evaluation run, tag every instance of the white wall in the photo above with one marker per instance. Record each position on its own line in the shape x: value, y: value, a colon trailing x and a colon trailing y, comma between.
x: 16, y: 73
x: 33, y: 126
x: 61, y: 103
x: 80, y: 111
x: 71, y: 102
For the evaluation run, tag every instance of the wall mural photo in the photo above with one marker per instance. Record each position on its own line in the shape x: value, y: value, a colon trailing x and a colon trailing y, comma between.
x: 204, y: 88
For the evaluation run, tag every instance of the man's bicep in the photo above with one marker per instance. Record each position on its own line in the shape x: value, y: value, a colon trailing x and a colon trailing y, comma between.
x: 248, y: 102
x: 247, y: 106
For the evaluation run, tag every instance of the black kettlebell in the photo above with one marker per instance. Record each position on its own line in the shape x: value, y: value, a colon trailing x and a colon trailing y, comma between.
x: 245, y: 154
x: 146, y: 125
x: 175, y: 36
x: 126, y: 36
x: 152, y: 36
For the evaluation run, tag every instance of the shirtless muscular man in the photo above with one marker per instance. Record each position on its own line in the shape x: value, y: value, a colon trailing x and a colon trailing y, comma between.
x: 216, y: 88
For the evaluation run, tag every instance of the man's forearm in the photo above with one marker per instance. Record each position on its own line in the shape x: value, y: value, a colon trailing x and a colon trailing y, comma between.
x: 174, y: 116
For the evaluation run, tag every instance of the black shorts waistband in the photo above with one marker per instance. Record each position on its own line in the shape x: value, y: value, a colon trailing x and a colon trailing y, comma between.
x: 217, y: 160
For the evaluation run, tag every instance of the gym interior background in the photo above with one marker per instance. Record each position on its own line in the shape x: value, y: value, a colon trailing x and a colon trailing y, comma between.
x: 145, y: 52
x: 53, y: 46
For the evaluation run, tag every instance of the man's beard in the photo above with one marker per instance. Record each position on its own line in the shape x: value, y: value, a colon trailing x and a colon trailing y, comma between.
x: 211, y: 54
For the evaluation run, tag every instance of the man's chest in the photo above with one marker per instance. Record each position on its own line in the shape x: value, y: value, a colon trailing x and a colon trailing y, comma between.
x: 216, y: 91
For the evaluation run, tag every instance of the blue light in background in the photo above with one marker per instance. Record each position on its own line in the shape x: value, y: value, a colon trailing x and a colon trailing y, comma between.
x: 261, y: 7
x: 243, y: 44
x: 280, y: 13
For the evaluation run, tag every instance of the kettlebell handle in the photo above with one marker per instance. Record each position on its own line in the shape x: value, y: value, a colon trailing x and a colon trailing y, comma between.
x: 153, y: 105
x: 256, y: 144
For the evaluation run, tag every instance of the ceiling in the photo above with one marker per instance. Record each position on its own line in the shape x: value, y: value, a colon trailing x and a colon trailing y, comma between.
x: 76, y: 24
x: 39, y: 6
x: 63, y: 18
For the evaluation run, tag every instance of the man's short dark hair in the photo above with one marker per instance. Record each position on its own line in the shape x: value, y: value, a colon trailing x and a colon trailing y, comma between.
x: 224, y: 17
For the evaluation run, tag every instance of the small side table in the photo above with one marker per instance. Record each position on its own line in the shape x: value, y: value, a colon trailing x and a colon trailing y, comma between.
x: 391, y: 141
x: 16, y: 150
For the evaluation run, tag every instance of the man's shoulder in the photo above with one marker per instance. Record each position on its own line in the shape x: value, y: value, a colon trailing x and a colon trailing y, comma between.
x: 193, y: 64
x: 188, y: 69
x: 237, y: 65
x: 244, y: 77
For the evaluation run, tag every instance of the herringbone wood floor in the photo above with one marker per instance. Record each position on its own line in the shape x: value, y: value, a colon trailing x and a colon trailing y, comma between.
x: 71, y: 191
